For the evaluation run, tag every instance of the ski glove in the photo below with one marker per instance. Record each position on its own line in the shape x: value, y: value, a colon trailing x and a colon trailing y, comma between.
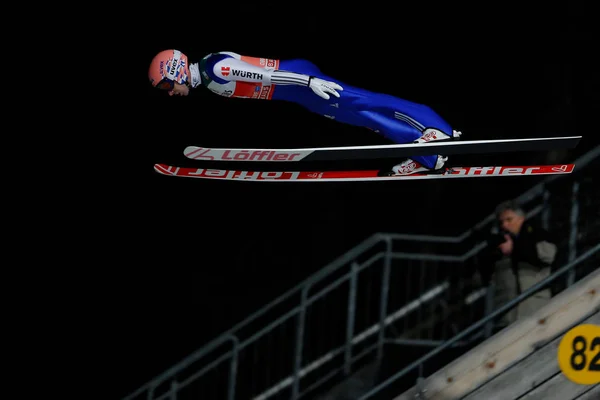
x: 323, y: 88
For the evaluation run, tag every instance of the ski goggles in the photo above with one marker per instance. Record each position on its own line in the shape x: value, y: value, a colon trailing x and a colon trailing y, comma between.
x: 166, y: 84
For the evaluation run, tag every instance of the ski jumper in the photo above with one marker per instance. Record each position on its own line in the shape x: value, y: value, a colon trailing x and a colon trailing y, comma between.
x: 398, y: 120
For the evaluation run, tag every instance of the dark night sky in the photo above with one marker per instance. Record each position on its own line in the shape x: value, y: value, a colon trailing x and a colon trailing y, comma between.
x: 186, y: 259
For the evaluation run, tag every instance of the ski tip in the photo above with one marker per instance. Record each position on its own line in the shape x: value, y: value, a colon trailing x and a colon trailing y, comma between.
x: 165, y: 169
x: 196, y: 152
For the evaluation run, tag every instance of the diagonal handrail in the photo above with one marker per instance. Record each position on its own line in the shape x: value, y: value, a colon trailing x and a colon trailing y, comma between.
x: 199, y: 353
x: 186, y: 362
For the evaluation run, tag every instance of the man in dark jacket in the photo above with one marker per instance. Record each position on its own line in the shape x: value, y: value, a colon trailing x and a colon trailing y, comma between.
x: 522, y: 253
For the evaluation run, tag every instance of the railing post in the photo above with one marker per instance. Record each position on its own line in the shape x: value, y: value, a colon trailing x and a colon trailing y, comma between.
x: 546, y: 209
x: 299, y: 343
x: 385, y: 284
x: 233, y: 368
x: 173, y: 390
x: 351, y: 316
x: 150, y: 393
x: 489, y: 308
x: 573, y: 230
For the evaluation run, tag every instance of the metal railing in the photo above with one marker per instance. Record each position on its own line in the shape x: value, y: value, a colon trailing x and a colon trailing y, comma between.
x: 339, y: 319
x: 417, y: 364
x: 362, y: 279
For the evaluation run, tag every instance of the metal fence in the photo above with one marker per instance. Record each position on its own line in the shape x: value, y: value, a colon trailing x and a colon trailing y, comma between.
x: 391, y: 288
x: 567, y: 269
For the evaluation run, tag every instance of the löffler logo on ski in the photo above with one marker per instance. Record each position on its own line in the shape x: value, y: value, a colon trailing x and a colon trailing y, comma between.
x: 244, y: 175
x: 501, y: 170
x: 203, y: 153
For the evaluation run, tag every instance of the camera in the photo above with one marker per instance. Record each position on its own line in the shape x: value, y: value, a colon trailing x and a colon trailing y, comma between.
x: 496, y: 239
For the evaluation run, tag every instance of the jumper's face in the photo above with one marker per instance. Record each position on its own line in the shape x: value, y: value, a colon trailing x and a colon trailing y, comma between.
x: 179, y: 90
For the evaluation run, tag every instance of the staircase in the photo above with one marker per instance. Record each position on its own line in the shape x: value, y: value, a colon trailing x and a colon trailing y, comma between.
x: 521, y: 360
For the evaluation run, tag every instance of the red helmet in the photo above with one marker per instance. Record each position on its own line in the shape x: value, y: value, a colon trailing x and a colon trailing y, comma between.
x: 168, y: 67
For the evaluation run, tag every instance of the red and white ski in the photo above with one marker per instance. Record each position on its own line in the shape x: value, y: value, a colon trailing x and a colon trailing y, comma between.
x: 381, y: 151
x: 359, y: 175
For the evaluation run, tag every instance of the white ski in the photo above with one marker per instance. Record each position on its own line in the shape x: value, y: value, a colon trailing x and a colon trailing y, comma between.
x: 381, y: 151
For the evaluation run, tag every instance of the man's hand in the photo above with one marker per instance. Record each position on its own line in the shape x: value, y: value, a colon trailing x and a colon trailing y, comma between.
x: 507, y: 247
x: 324, y: 88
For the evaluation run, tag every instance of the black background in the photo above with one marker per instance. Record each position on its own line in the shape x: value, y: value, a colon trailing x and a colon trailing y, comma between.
x: 182, y: 260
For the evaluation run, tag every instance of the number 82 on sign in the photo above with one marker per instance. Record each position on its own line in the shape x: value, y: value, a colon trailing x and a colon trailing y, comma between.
x: 579, y: 354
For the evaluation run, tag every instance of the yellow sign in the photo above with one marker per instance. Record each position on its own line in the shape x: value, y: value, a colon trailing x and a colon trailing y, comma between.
x: 579, y: 354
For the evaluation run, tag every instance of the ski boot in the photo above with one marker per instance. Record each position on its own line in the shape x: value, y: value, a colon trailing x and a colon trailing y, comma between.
x: 410, y: 167
x: 434, y: 135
